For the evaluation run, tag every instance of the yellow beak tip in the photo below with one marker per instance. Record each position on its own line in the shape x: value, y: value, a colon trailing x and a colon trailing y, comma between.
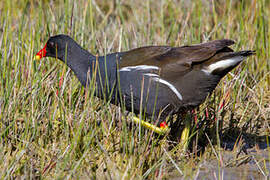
x: 37, y: 57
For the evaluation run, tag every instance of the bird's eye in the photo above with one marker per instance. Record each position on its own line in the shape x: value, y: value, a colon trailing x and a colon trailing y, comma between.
x: 51, y: 44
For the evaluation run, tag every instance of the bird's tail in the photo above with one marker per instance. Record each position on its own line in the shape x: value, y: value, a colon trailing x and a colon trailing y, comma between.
x: 227, y: 61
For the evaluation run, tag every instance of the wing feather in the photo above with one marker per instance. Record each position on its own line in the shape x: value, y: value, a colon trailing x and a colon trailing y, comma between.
x: 174, y: 61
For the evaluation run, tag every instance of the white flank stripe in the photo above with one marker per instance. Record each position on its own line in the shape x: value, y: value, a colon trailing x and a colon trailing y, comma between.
x: 154, y: 76
x: 151, y: 75
x: 170, y: 86
x: 141, y: 67
x: 223, y: 64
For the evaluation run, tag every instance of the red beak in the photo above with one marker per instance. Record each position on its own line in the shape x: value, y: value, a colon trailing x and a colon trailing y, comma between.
x: 41, y: 53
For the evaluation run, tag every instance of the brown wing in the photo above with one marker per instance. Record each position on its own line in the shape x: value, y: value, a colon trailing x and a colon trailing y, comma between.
x: 143, y: 55
x: 174, y: 60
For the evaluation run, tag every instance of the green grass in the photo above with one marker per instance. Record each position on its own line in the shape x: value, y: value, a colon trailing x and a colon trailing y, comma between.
x: 78, y: 135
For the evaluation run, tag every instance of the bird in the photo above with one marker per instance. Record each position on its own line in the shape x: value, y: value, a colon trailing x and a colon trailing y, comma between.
x: 158, y: 81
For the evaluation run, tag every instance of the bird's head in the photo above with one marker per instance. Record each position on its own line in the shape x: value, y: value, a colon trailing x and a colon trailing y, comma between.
x: 57, y: 47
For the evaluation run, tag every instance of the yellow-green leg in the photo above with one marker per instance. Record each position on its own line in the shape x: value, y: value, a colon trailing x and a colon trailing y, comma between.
x: 159, y: 130
x: 185, y: 134
x: 163, y: 130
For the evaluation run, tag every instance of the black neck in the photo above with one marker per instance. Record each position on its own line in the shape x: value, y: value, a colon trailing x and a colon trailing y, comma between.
x: 79, y: 61
x: 89, y: 69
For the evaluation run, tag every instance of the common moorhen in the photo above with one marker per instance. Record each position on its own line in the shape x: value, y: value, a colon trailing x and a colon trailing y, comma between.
x: 156, y: 80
